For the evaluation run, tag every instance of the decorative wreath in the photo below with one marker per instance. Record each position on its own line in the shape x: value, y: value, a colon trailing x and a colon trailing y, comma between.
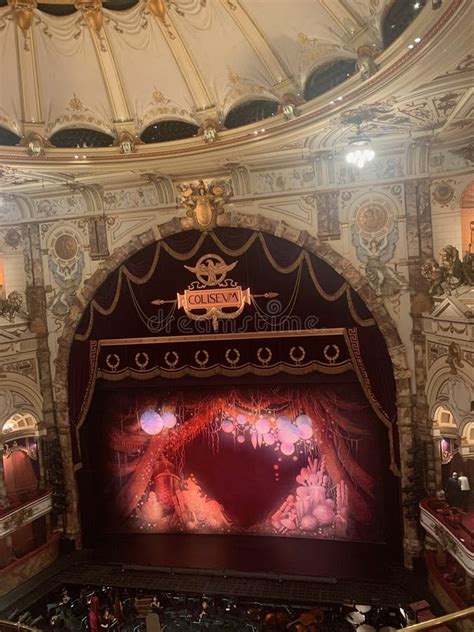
x: 112, y: 361
x: 171, y: 363
x: 201, y: 362
x: 142, y: 363
x: 331, y: 358
x: 235, y: 360
x: 297, y: 359
x: 260, y: 356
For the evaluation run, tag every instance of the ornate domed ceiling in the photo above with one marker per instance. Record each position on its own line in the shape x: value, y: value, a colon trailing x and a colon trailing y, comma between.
x: 155, y: 82
x: 189, y: 60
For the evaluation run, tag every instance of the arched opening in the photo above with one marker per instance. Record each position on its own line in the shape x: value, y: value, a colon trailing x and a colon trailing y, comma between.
x: 8, y: 137
x: 164, y: 131
x: 467, y: 441
x: 250, y: 112
x: 81, y: 138
x: 328, y: 76
x: 455, y: 444
x: 19, y: 438
x: 287, y: 393
x: 399, y: 16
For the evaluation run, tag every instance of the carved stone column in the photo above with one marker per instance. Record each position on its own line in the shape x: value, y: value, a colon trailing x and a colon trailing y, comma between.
x: 327, y: 209
x: 420, y: 248
x: 36, y: 303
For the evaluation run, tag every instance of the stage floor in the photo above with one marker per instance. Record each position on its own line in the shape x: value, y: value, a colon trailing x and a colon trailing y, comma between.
x: 250, y: 554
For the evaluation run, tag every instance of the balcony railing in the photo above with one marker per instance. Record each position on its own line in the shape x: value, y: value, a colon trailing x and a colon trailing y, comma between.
x: 9, y: 626
x: 17, y: 499
x: 14, y: 518
x: 436, y: 624
x: 448, y: 526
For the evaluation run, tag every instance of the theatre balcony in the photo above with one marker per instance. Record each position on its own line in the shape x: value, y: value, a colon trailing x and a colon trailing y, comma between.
x: 449, y: 552
x: 27, y: 544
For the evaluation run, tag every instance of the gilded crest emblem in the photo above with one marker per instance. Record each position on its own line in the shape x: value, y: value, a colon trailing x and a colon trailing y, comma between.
x: 205, y: 202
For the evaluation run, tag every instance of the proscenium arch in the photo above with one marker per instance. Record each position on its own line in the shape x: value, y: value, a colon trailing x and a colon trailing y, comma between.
x: 257, y: 223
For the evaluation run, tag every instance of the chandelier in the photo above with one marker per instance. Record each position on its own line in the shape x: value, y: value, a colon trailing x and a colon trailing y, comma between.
x: 359, y: 150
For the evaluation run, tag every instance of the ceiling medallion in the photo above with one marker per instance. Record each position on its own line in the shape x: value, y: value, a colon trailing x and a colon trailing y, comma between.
x: 443, y: 193
x: 205, y: 202
x: 372, y: 218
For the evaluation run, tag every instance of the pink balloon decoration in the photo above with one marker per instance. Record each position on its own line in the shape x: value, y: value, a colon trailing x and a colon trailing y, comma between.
x: 269, y: 438
x: 227, y: 426
x: 240, y: 439
x: 283, y: 421
x: 304, y: 420
x: 287, y: 448
x: 305, y: 432
x: 241, y: 419
x: 262, y: 425
x: 289, y: 433
x: 169, y: 419
x: 151, y: 422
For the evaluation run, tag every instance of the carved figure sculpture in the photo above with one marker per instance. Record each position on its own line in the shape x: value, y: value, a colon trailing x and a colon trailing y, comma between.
x: 11, y: 305
x: 450, y: 273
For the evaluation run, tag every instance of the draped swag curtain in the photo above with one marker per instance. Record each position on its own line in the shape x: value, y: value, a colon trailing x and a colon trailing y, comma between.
x: 310, y: 295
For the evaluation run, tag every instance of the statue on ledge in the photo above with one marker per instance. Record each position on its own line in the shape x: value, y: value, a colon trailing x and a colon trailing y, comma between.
x: 11, y: 305
x: 450, y: 273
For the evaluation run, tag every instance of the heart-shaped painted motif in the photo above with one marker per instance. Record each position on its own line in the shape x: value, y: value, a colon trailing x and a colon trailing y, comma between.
x: 250, y: 483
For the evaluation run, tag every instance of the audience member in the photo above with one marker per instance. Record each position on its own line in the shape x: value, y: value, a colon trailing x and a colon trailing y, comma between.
x: 453, y: 490
x: 465, y: 491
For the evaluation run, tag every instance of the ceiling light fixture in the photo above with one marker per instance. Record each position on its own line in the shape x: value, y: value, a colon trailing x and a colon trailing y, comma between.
x: 359, y: 151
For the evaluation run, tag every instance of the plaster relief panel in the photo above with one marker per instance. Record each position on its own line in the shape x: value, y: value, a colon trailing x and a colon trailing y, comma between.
x: 73, y: 204
x: 139, y: 197
x: 66, y: 262
x: 285, y: 179
x: 374, y: 235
